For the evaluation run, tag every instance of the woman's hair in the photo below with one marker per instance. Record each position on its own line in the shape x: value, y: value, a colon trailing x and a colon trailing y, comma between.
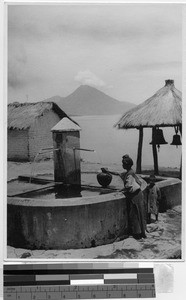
x: 152, y: 178
x: 127, y: 160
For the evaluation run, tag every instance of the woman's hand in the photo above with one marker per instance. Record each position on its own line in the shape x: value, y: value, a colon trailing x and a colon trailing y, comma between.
x: 104, y: 170
x: 122, y: 190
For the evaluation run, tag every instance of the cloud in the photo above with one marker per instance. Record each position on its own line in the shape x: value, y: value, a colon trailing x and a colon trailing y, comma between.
x: 102, y: 23
x: 15, y: 80
x: 20, y: 74
x: 17, y: 64
x: 154, y: 66
x: 89, y: 78
x: 103, y: 45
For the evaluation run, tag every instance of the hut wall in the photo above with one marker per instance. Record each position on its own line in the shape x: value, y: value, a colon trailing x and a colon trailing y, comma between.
x: 18, y: 149
x: 40, y: 135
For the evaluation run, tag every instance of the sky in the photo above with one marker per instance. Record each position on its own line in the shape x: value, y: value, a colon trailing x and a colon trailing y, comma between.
x: 125, y: 50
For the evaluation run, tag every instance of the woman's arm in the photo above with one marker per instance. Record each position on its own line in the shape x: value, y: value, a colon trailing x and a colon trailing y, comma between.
x: 110, y: 172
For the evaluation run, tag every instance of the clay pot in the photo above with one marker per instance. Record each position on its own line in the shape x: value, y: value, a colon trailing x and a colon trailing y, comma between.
x: 104, y: 179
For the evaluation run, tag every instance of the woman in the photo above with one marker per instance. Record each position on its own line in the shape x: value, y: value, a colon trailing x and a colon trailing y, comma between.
x: 133, y: 186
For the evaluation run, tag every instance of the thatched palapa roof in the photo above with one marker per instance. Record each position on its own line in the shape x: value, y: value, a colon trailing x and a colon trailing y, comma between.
x: 22, y: 115
x: 162, y: 109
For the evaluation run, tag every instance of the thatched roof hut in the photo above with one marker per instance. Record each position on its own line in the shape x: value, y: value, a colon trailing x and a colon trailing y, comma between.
x: 163, y: 109
x: 22, y: 115
x: 29, y: 129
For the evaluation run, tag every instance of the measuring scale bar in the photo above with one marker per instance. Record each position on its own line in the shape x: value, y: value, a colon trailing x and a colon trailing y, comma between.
x: 56, y: 282
x: 79, y: 292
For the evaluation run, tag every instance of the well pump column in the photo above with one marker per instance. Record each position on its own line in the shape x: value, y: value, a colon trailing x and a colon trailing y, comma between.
x: 66, y: 141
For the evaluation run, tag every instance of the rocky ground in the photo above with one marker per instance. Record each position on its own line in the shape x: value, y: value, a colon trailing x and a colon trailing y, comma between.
x: 163, y: 238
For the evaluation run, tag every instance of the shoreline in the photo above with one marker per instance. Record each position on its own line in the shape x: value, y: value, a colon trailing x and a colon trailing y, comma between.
x: 14, y: 169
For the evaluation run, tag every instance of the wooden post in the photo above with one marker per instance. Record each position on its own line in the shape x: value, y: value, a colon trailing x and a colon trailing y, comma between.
x: 155, y: 155
x: 139, y: 156
x: 180, y: 127
x: 180, y: 175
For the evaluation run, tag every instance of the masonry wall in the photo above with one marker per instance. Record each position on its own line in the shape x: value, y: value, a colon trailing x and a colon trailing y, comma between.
x: 18, y: 145
x: 40, y: 135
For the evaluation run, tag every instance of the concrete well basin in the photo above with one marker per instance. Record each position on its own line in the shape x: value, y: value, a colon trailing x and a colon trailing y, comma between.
x: 72, y: 223
x: 66, y: 223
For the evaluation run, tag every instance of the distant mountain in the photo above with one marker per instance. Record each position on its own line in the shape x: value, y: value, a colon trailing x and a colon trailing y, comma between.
x: 86, y: 100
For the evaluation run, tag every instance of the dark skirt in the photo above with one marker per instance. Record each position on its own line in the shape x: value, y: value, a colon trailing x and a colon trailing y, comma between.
x: 136, y: 213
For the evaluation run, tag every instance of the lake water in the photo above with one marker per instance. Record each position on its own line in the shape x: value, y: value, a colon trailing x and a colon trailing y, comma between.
x: 110, y: 143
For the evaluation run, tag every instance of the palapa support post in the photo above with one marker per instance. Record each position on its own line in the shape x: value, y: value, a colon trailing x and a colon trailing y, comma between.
x: 139, y: 156
x: 180, y: 175
x: 154, y: 150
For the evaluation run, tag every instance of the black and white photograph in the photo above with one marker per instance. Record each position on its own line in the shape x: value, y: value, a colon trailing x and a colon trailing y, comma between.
x: 94, y: 131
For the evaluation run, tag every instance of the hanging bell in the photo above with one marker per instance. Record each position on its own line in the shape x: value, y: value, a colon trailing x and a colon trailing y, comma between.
x: 158, y: 138
x: 176, y: 140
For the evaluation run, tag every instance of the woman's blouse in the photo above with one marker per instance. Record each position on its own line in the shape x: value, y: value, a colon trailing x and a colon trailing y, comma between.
x: 130, y: 181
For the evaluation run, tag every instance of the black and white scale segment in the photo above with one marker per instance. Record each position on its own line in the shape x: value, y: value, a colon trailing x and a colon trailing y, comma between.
x: 78, y: 281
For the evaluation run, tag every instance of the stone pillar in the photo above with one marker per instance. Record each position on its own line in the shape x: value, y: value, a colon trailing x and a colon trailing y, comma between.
x: 66, y: 141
